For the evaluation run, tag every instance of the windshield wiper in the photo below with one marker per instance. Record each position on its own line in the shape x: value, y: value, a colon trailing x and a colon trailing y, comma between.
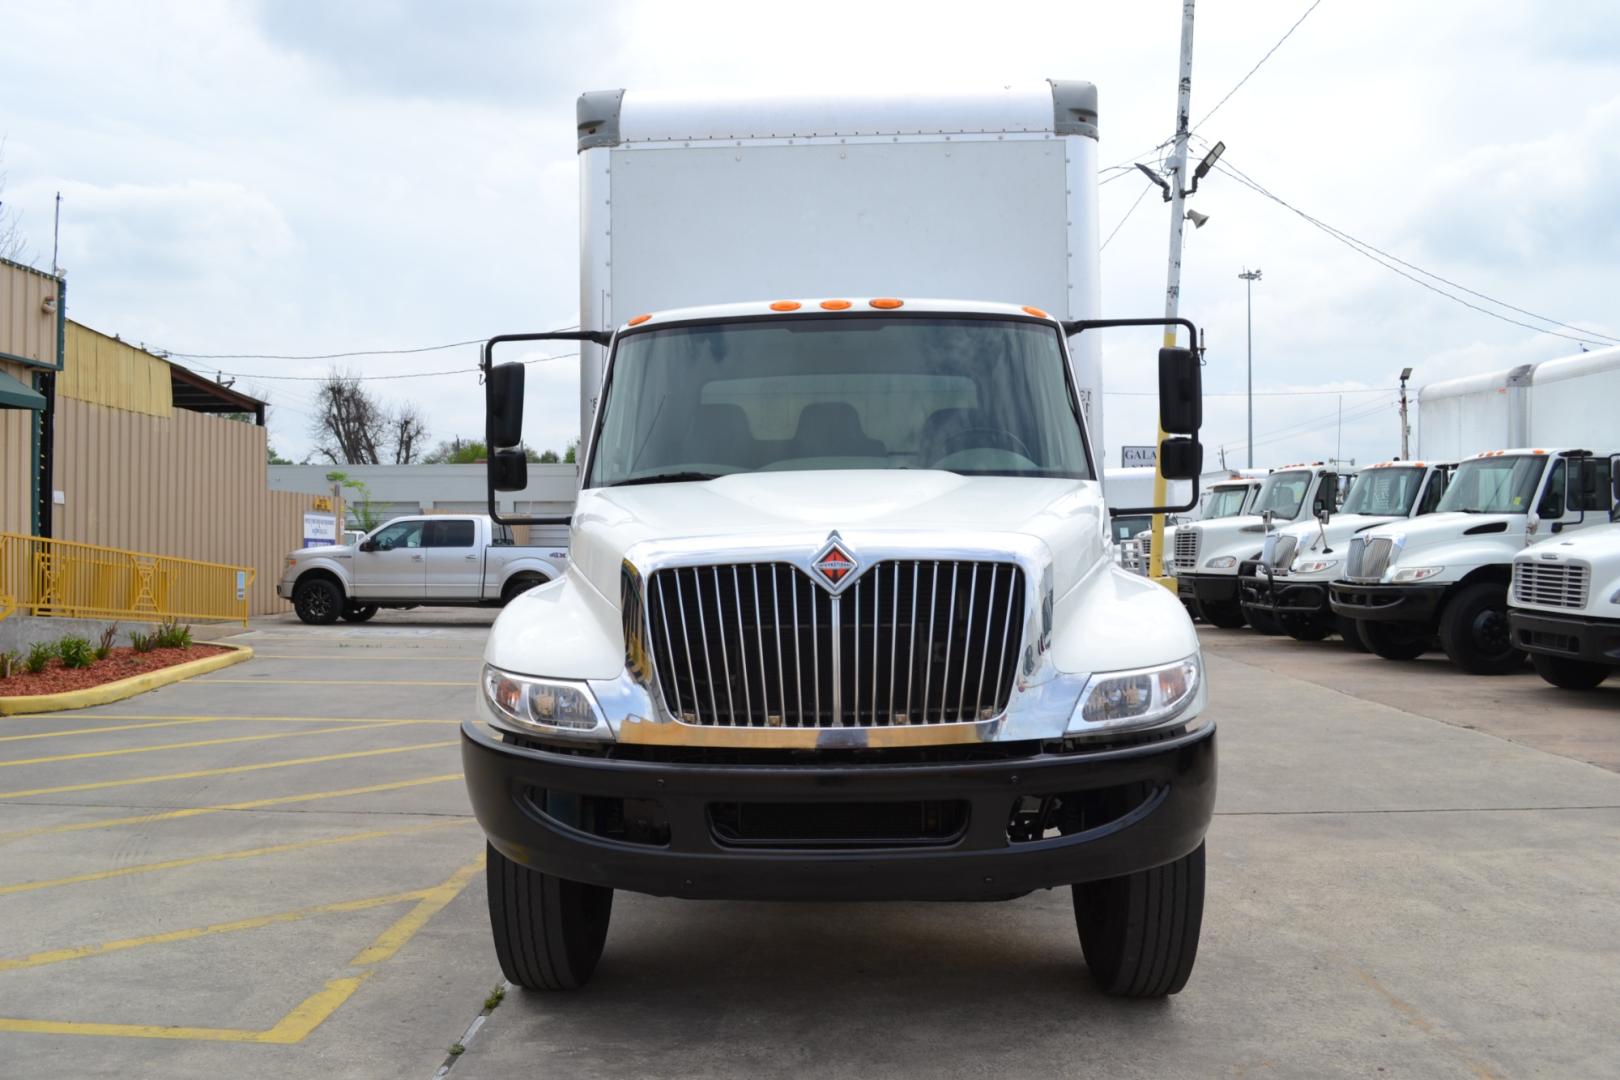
x: 667, y: 478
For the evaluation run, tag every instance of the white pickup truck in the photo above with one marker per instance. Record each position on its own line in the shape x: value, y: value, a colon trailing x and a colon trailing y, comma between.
x: 1564, y: 607
x: 431, y: 561
x: 1289, y: 581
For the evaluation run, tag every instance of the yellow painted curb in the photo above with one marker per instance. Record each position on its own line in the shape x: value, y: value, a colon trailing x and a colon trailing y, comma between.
x: 125, y: 688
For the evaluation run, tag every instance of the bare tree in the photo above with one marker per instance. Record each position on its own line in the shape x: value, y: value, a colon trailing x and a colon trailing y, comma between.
x: 351, y: 427
x: 13, y: 245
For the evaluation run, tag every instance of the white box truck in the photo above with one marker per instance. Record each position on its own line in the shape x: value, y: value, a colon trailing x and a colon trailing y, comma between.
x: 1569, y: 401
x: 840, y: 618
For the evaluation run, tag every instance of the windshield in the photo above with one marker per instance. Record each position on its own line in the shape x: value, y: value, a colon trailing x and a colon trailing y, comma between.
x: 1225, y: 502
x: 1127, y: 527
x: 1385, y: 492
x: 975, y: 396
x: 1282, y: 494
x: 1493, y: 485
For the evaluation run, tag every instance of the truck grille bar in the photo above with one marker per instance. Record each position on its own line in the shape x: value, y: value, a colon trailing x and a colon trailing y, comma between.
x: 1366, y: 559
x: 1282, y: 555
x: 909, y: 642
x: 1186, y: 548
x: 1550, y: 584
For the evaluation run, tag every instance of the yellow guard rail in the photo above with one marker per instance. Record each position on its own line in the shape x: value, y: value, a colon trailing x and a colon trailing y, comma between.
x: 39, y: 576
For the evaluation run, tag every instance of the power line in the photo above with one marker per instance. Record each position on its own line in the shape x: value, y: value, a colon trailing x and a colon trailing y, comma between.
x: 1299, y: 430
x: 1256, y: 67
x: 1145, y: 189
x: 1260, y: 393
x: 336, y: 355
x: 1380, y: 256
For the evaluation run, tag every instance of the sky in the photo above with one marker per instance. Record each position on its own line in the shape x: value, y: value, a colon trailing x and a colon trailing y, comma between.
x: 296, y: 177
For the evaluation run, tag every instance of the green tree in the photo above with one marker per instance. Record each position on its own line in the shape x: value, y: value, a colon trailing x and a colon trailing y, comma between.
x: 570, y: 455
x: 460, y: 451
x: 274, y: 458
x: 549, y: 457
x: 360, y: 508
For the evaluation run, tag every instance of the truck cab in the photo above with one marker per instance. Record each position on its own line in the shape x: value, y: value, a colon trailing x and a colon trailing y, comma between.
x: 1446, y: 575
x: 1564, y: 603
x: 1208, y: 553
x: 1289, y: 581
x: 1232, y: 497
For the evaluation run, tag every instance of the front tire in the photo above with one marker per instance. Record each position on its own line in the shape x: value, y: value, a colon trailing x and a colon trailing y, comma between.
x: 1305, y: 627
x: 1395, y: 641
x: 359, y: 612
x: 1569, y: 674
x: 318, y: 601
x: 518, y: 586
x: 1350, y: 632
x: 548, y: 932
x: 1263, y: 621
x: 1474, y: 631
x: 1140, y: 932
x: 1225, y: 616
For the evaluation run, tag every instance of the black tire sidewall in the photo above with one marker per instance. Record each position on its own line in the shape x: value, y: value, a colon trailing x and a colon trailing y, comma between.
x: 1393, y: 641
x: 1567, y: 673
x: 326, y: 609
x: 1457, y: 635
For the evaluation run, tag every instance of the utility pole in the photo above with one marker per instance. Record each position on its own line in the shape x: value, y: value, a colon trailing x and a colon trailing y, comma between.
x: 1406, y: 429
x: 1250, y: 277
x: 1172, y: 288
x: 1338, y: 440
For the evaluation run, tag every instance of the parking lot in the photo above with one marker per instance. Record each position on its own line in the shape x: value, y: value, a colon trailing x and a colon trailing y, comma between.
x: 272, y: 871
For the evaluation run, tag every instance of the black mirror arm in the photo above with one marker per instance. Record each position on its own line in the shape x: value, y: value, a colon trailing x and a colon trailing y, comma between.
x: 595, y: 337
x: 1075, y: 327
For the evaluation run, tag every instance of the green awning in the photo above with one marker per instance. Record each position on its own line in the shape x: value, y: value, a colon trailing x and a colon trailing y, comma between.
x: 16, y: 395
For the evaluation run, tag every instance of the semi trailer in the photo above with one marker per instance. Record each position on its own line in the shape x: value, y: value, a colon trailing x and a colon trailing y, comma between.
x: 841, y: 619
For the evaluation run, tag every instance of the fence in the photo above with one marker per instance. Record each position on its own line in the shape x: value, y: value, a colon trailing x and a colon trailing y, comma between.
x: 58, y: 577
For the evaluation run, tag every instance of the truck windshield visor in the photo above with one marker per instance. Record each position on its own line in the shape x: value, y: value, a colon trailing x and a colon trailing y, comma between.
x: 1384, y: 492
x: 1282, y: 494
x: 983, y: 397
x: 1494, y: 485
x: 1225, y: 502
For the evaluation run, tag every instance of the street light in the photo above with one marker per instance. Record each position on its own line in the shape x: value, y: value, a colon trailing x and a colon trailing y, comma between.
x: 1250, y: 277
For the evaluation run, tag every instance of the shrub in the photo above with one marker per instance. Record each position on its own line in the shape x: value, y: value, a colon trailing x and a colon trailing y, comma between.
x: 75, y: 652
x: 104, y: 647
x: 10, y: 664
x: 142, y: 643
x: 40, y: 653
x: 171, y: 635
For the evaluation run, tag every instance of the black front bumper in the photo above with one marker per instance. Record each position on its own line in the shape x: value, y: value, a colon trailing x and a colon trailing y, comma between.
x: 1571, y: 636
x: 1209, y: 588
x: 1387, y: 603
x: 1172, y: 781
x: 1280, y: 595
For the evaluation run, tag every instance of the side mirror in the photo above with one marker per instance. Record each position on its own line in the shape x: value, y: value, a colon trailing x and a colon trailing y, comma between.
x: 368, y: 545
x: 509, y: 468
x: 1181, y: 459
x: 503, y: 401
x: 1266, y: 517
x: 1323, y: 516
x: 1181, y: 393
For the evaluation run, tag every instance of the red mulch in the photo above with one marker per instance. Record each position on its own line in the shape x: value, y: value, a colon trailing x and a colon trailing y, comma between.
x: 122, y: 664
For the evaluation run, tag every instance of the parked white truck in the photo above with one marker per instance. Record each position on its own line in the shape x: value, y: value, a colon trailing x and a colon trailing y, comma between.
x: 840, y: 619
x: 1446, y: 575
x: 466, y: 560
x: 1231, y: 494
x: 1289, y: 581
x: 1208, y: 553
x: 1564, y: 606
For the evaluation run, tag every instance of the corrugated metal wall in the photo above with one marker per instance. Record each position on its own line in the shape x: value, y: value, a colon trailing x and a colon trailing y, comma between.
x: 27, y: 329
x: 191, y: 485
x: 16, y: 458
x: 108, y: 372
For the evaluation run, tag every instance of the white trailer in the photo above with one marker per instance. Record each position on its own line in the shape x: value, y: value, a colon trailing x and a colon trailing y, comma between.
x: 1565, y: 402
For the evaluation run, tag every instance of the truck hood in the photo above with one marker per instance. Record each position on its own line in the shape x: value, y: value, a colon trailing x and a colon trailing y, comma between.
x: 1432, y: 530
x: 1240, y: 537
x: 800, y: 510
x: 1340, y: 528
x: 1599, y: 547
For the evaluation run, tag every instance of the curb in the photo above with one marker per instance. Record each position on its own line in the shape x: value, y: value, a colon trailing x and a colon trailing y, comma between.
x: 124, y: 688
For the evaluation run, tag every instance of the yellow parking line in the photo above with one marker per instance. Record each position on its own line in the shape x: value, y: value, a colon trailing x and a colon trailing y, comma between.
x: 251, y: 804
x: 224, y: 856
x: 310, y: 1013
x: 321, y: 682
x: 197, y: 773
x: 105, y: 727
x: 57, y: 956
x: 82, y: 755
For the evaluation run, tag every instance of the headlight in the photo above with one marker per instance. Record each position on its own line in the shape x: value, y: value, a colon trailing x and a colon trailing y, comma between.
x: 527, y: 705
x: 1225, y: 562
x: 1315, y: 566
x: 1145, y: 697
x: 1414, y: 573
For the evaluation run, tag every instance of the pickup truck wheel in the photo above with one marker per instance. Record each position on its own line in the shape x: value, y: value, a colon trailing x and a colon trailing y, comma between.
x: 1570, y: 674
x: 359, y: 612
x: 1225, y: 616
x: 519, y: 585
x: 1305, y: 627
x: 1350, y: 632
x: 318, y: 601
x: 1140, y: 932
x: 548, y: 932
x: 1474, y: 631
x: 1395, y: 641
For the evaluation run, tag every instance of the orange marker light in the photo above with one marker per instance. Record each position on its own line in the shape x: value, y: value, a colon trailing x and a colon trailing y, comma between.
x: 785, y: 305
x: 638, y: 320
x: 1035, y: 311
x: 835, y: 305
x: 887, y: 303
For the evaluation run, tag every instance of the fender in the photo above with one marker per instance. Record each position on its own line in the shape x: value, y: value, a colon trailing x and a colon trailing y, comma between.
x: 1113, y: 620
x: 528, y: 564
x: 333, y: 566
x: 564, y: 629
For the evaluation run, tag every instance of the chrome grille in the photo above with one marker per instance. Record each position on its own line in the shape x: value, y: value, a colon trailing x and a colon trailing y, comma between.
x: 1550, y: 584
x: 763, y: 645
x: 1282, y: 555
x: 1367, y: 558
x: 1187, y: 548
